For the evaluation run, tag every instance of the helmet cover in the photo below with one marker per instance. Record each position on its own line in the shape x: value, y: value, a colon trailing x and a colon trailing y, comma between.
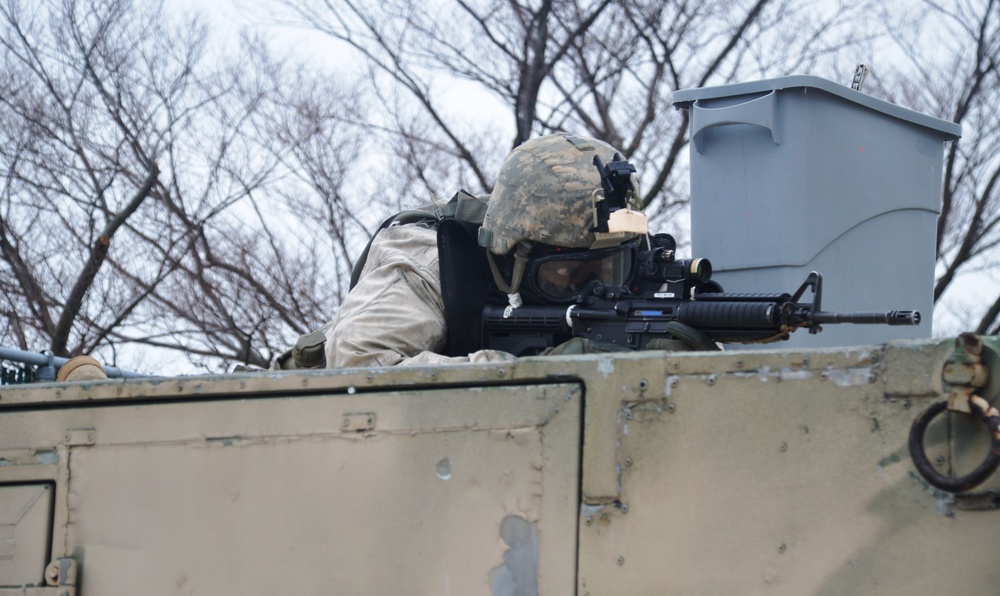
x: 545, y: 192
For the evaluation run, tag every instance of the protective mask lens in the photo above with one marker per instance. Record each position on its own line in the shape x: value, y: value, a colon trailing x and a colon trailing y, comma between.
x: 562, y: 276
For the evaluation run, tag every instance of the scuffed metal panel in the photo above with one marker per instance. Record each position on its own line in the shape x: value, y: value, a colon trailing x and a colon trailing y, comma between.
x: 772, y: 471
x: 274, y: 494
x: 787, y: 473
x: 25, y: 519
x: 914, y: 368
x: 518, y: 576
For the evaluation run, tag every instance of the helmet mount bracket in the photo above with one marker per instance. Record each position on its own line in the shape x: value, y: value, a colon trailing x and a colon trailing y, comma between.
x: 613, y: 219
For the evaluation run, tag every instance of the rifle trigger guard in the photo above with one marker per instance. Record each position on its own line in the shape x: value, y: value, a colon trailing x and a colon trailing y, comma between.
x: 989, y: 415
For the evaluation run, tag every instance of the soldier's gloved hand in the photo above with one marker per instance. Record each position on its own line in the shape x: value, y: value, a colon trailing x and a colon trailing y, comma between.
x: 579, y: 345
x: 686, y: 338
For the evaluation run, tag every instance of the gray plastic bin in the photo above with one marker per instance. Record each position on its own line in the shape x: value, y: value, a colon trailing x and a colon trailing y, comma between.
x: 800, y: 174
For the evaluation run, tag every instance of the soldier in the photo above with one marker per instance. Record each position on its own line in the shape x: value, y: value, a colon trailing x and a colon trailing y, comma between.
x: 422, y: 286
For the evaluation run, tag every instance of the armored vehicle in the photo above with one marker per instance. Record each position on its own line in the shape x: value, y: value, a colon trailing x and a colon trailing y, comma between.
x: 812, y: 469
x: 796, y: 471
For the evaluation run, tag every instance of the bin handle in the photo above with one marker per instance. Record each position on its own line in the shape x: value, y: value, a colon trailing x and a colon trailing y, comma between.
x: 762, y: 111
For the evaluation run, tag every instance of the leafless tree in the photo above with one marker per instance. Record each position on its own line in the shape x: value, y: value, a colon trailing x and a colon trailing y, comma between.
x: 72, y: 180
x: 138, y: 186
x: 602, y: 67
x: 953, y: 72
x: 969, y: 228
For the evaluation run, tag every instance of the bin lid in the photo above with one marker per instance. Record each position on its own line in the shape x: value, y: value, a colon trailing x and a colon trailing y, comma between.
x: 683, y: 98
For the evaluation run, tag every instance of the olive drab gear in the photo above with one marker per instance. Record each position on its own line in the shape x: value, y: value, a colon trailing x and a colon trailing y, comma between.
x: 546, y: 192
x: 308, y: 352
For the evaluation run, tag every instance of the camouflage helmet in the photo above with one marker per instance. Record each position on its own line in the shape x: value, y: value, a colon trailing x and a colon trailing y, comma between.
x: 545, y: 192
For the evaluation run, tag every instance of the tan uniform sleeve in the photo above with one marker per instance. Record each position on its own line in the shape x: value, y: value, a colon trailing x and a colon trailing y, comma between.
x: 395, y: 314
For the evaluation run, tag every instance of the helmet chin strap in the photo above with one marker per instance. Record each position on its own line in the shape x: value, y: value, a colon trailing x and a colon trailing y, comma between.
x: 520, y: 264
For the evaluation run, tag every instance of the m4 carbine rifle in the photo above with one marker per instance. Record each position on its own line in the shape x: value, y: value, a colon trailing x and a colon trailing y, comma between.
x: 667, y: 292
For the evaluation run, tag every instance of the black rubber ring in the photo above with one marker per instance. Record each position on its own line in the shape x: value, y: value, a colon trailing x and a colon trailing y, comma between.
x: 923, y: 465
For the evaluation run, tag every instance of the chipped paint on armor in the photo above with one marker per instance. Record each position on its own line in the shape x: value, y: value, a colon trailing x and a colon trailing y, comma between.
x: 518, y: 576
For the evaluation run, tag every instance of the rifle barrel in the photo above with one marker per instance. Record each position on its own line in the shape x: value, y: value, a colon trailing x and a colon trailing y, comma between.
x: 893, y: 317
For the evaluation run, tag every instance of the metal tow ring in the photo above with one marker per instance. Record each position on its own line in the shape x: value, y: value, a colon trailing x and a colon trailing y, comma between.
x: 989, y: 415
